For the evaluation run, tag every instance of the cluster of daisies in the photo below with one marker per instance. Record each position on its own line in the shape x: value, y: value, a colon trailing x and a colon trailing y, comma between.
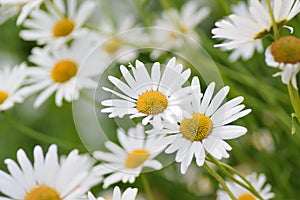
x: 243, y: 32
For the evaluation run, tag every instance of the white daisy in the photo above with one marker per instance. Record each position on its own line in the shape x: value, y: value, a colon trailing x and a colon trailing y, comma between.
x: 126, y: 164
x: 176, y: 23
x: 258, y: 182
x: 25, y: 6
x: 60, y: 24
x: 48, y: 178
x: 129, y: 194
x: 11, y: 80
x: 239, y: 30
x: 154, y: 97
x: 205, y: 126
x: 63, y: 71
x: 284, y: 54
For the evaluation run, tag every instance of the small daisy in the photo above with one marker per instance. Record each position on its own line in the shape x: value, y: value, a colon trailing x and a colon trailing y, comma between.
x: 176, y: 23
x: 58, y: 72
x: 25, y: 6
x: 60, y: 24
x: 129, y: 194
x: 205, y: 127
x: 258, y: 182
x: 154, y: 97
x: 239, y: 30
x: 284, y: 54
x: 68, y: 178
x: 11, y: 80
x: 126, y: 164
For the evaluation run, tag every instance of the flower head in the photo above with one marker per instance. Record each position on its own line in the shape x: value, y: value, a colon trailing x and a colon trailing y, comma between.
x: 126, y: 164
x: 50, y: 177
x: 258, y: 182
x: 129, y: 194
x: 204, y: 127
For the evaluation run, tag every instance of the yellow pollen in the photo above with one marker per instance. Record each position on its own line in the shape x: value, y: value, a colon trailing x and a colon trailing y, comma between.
x: 63, y: 27
x: 136, y: 158
x: 112, y: 45
x: 151, y: 103
x: 42, y: 193
x: 246, y: 196
x: 3, y: 96
x: 63, y: 71
x: 286, y: 50
x: 196, y: 128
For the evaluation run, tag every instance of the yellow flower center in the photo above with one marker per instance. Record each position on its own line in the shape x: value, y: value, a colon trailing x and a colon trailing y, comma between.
x: 151, y: 103
x: 3, y: 96
x: 246, y: 196
x: 63, y: 71
x: 63, y: 27
x: 112, y: 45
x: 286, y: 50
x: 197, y: 128
x: 183, y: 28
x: 42, y: 193
x: 136, y: 158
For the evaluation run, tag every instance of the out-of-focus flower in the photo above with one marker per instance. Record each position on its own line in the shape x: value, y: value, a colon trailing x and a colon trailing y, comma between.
x: 175, y: 25
x: 50, y: 177
x: 205, y: 127
x: 64, y: 71
x: 61, y: 23
x: 126, y: 164
x: 11, y: 80
x: 263, y: 140
x: 258, y: 182
x: 129, y: 194
x: 284, y: 54
x: 153, y: 96
x: 246, y: 30
x: 13, y: 7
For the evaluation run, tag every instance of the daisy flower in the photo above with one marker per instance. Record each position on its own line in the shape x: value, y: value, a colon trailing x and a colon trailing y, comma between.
x: 59, y: 24
x: 48, y: 177
x: 176, y: 23
x: 58, y: 72
x: 205, y: 126
x: 129, y: 194
x: 125, y: 164
x: 25, y: 6
x: 258, y: 182
x: 154, y: 97
x: 11, y: 80
x: 239, y: 30
x: 284, y: 54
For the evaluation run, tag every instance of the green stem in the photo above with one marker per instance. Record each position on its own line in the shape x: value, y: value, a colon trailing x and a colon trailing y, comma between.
x: 40, y: 136
x: 214, y: 174
x: 294, y: 96
x: 224, y: 6
x: 146, y: 186
x: 274, y: 24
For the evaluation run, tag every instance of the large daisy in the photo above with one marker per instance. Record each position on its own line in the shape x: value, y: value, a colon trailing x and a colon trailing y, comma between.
x: 59, y: 24
x: 59, y: 72
x: 11, y: 80
x: 239, y: 30
x: 68, y: 178
x: 204, y: 127
x: 153, y: 96
x: 258, y: 182
x: 174, y: 24
x: 284, y: 54
x: 129, y: 194
x: 127, y: 164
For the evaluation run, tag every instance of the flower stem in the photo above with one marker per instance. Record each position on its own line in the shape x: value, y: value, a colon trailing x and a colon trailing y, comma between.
x: 219, y: 179
x: 40, y: 136
x: 274, y: 24
x: 294, y: 96
x: 225, y: 6
x: 146, y: 187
